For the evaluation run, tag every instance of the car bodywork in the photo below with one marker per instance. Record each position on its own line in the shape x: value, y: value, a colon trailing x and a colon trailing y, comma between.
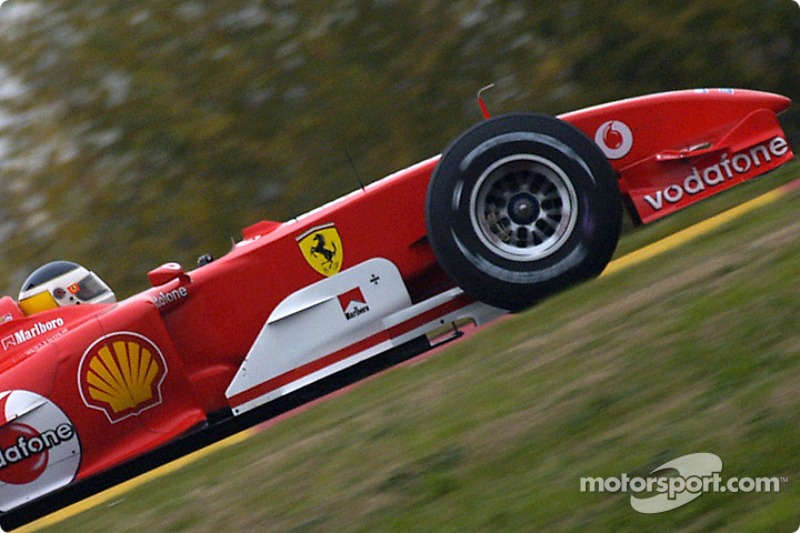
x: 92, y: 394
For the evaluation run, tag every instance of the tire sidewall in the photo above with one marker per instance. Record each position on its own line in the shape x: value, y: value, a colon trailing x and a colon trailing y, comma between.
x: 479, y: 269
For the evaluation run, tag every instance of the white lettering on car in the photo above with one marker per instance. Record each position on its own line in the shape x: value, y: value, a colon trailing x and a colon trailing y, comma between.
x: 170, y: 297
x: 714, y: 175
x: 24, y: 335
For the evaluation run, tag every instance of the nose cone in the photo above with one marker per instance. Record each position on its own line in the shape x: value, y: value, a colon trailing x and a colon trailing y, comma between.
x: 763, y: 100
x: 782, y: 103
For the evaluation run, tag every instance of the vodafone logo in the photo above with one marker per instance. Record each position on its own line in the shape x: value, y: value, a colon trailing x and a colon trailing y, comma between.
x: 615, y: 138
x: 39, y: 448
x: 728, y: 168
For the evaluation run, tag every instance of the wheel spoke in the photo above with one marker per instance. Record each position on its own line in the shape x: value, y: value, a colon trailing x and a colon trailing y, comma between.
x: 525, y: 205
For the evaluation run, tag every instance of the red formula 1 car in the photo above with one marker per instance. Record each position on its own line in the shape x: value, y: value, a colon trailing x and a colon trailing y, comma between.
x: 518, y: 207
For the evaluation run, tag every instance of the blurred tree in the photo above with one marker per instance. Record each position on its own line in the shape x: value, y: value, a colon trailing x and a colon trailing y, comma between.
x: 133, y: 133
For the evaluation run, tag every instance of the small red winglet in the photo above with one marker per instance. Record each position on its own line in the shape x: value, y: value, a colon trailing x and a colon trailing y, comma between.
x: 484, y: 109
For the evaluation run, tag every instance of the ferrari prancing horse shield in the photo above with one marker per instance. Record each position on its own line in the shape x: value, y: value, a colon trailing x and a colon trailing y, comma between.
x: 322, y: 248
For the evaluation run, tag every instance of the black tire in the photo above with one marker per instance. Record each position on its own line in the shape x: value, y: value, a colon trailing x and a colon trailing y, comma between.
x: 521, y: 206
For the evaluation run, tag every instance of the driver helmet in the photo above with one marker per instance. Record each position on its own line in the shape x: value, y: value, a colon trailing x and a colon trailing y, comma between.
x: 60, y: 284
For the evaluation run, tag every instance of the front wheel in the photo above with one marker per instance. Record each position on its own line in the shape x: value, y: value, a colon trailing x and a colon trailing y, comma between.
x: 521, y: 206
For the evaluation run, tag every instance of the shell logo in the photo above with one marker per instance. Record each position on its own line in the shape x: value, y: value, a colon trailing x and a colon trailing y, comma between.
x: 121, y: 374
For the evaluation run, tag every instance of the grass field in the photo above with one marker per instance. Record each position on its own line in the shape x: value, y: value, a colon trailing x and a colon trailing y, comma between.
x: 694, y: 351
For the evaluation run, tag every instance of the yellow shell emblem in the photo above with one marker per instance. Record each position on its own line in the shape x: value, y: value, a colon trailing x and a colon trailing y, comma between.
x: 322, y: 249
x: 121, y: 375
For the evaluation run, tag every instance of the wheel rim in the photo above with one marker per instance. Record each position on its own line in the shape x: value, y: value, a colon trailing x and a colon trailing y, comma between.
x: 523, y: 208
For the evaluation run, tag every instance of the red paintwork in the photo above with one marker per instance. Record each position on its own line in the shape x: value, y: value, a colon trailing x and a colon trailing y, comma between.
x: 671, y: 123
x: 204, y: 322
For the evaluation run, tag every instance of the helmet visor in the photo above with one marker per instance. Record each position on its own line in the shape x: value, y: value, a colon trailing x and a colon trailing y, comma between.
x: 88, y: 288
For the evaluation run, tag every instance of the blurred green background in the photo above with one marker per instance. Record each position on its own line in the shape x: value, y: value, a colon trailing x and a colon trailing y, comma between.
x: 135, y: 133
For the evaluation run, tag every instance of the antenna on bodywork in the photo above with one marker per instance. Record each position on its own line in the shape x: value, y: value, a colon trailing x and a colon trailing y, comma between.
x: 355, y: 170
x: 484, y: 109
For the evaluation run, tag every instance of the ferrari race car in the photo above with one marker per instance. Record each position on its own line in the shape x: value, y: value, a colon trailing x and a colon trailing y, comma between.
x: 518, y: 207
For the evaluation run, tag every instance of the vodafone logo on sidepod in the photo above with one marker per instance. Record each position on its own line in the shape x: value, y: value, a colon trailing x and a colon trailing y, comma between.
x: 39, y: 448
